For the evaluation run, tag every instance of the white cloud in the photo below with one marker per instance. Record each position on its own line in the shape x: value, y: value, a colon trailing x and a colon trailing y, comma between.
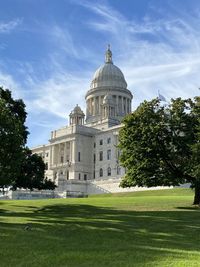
x: 8, y: 82
x: 7, y: 27
x: 58, y: 95
x: 153, y: 54
x: 63, y: 40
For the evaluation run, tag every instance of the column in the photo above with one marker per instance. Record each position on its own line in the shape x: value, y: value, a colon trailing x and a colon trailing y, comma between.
x: 70, y: 151
x: 97, y: 105
x: 73, y: 150
x: 87, y: 113
x: 54, y: 155
x: 94, y: 105
x: 117, y: 105
x: 90, y: 105
x: 51, y: 156
x: 100, y: 112
x: 122, y: 105
x: 127, y: 105
x: 65, y: 154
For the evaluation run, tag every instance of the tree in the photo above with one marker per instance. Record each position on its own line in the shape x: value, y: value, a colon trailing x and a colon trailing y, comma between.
x: 13, y: 136
x: 31, y: 174
x: 18, y: 166
x: 160, y: 145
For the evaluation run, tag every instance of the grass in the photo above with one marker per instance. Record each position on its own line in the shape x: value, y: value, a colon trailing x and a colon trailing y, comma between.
x: 153, y: 228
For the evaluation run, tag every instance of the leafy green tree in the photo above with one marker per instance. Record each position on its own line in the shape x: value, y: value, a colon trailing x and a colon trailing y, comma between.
x: 13, y: 136
x: 31, y: 174
x: 19, y: 168
x: 48, y: 184
x: 160, y: 145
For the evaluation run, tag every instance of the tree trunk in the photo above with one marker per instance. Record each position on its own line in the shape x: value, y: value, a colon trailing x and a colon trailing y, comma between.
x: 197, y: 194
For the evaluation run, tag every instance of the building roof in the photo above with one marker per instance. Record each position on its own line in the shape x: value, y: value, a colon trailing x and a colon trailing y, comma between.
x: 108, y: 75
x: 77, y: 110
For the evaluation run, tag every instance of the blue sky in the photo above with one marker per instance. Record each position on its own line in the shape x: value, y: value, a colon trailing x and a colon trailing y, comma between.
x: 49, y: 51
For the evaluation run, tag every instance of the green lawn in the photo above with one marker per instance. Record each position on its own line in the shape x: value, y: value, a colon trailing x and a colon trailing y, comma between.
x: 155, y: 228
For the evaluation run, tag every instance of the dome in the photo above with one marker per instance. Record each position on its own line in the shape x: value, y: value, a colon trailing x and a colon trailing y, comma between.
x: 108, y: 75
x: 108, y: 96
x: 77, y: 110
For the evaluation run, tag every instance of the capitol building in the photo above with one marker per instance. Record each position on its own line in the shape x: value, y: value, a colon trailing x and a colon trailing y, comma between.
x: 83, y: 156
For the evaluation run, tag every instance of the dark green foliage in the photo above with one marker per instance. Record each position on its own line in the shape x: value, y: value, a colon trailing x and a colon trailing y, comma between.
x: 160, y: 144
x: 13, y: 136
x: 32, y: 173
x: 47, y: 185
x: 19, y: 168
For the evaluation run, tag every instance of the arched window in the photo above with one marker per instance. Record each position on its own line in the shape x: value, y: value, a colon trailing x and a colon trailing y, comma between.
x: 109, y: 171
x: 100, y: 155
x: 108, y: 154
x: 101, y: 172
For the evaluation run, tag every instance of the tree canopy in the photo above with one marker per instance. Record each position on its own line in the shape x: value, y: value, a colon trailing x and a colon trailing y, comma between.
x: 32, y: 173
x: 160, y: 145
x: 13, y: 136
x: 18, y: 166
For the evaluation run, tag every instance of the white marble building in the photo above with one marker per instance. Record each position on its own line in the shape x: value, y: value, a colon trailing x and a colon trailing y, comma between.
x: 83, y: 157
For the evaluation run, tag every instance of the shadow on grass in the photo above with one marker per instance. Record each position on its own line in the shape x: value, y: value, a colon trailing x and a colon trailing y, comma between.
x: 195, y: 208
x: 86, y: 235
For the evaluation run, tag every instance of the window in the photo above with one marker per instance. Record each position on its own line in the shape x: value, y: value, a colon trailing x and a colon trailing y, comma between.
x: 79, y: 156
x: 61, y: 159
x: 101, y: 172
x: 85, y: 177
x: 67, y: 174
x: 108, y: 154
x: 94, y: 144
x: 79, y: 176
x: 94, y: 174
x: 109, y: 171
x: 101, y: 155
x: 94, y: 158
x: 108, y: 140
x: 118, y: 170
x: 47, y: 154
x: 101, y: 142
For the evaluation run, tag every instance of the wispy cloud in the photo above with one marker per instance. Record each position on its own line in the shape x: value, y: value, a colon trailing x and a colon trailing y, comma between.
x: 7, y: 27
x: 8, y: 82
x: 58, y: 95
x: 154, y: 54
x: 63, y: 39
